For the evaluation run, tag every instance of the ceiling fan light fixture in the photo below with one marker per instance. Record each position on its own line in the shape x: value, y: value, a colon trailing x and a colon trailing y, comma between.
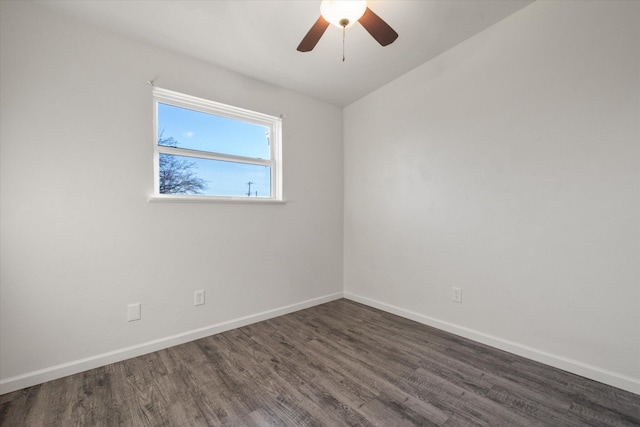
x: 342, y: 13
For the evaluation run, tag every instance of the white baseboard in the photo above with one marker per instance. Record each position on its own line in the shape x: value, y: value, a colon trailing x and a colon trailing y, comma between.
x: 592, y: 372
x: 574, y: 366
x: 29, y: 379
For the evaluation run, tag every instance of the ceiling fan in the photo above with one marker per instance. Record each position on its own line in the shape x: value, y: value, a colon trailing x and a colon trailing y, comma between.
x: 344, y: 14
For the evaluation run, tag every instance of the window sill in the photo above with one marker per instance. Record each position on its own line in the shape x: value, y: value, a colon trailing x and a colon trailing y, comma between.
x: 211, y: 199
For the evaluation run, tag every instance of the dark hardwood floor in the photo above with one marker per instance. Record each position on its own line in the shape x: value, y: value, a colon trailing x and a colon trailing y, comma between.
x: 337, y: 364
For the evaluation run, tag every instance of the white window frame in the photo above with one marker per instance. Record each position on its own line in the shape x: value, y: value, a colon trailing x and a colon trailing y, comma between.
x: 181, y: 100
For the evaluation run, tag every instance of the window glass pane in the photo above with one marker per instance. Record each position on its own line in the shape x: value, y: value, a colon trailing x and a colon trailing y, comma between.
x: 189, y: 129
x: 190, y: 175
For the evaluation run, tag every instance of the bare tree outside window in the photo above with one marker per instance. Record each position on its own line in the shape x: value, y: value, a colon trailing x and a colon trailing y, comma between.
x: 177, y: 175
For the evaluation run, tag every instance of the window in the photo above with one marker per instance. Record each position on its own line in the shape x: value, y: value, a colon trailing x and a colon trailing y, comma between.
x: 207, y: 150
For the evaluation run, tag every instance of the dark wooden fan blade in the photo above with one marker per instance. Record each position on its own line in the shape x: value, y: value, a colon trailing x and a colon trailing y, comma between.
x: 380, y: 30
x: 313, y: 36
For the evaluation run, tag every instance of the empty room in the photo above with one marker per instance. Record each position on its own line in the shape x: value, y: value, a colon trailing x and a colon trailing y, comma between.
x: 280, y: 212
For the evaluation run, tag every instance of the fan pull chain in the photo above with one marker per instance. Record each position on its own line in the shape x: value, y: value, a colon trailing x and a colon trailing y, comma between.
x: 344, y: 28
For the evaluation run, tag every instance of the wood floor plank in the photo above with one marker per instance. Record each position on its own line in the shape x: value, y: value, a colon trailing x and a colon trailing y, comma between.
x: 473, y: 407
x: 315, y: 384
x: 336, y: 364
x: 391, y: 413
x: 374, y: 378
x: 258, y: 418
x: 149, y: 402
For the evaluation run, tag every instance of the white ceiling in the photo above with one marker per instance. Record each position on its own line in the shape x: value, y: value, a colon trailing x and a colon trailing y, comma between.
x: 258, y: 38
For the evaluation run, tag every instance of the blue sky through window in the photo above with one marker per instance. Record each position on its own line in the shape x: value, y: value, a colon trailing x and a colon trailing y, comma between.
x: 195, y: 130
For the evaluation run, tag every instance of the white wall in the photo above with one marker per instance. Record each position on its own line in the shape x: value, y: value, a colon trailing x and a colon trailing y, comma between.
x: 509, y: 166
x: 80, y: 241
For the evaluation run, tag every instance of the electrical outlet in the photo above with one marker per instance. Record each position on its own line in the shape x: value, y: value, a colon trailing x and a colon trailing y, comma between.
x: 198, y: 297
x: 133, y: 312
x: 456, y: 294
